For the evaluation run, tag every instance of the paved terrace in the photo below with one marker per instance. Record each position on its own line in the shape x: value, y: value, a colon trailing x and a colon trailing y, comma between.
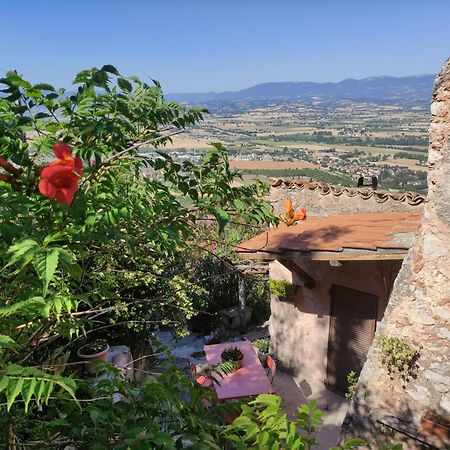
x: 293, y: 392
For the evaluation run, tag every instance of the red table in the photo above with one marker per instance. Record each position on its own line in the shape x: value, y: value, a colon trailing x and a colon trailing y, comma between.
x: 250, y: 380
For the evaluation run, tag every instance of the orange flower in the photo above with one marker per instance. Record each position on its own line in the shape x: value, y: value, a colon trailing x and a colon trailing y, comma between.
x: 60, y: 177
x: 64, y: 157
x: 289, y: 218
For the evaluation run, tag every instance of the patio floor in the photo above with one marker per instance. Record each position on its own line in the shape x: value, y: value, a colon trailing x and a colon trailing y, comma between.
x: 333, y: 405
x: 292, y: 392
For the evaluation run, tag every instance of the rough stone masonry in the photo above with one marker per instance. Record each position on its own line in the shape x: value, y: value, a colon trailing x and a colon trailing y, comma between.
x: 418, y: 312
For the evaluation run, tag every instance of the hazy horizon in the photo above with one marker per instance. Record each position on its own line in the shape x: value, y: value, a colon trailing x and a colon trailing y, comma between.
x: 309, y: 81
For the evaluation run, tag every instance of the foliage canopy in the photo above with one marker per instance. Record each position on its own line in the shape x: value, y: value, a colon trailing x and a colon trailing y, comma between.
x: 106, y: 256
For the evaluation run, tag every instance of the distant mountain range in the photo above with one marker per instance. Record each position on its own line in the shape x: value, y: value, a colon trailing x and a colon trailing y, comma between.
x: 408, y: 89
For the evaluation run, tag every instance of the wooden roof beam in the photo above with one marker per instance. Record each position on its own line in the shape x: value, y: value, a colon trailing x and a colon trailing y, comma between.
x: 308, y: 280
x: 364, y: 255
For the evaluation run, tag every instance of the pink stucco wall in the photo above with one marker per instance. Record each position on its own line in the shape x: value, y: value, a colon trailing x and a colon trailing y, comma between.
x: 299, y: 329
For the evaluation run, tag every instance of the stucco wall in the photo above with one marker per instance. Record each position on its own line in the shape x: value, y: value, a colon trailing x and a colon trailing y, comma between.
x: 299, y: 329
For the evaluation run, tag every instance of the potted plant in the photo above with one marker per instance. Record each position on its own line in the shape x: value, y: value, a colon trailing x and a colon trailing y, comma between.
x: 93, y: 352
x: 283, y: 289
x: 233, y: 354
x: 262, y: 348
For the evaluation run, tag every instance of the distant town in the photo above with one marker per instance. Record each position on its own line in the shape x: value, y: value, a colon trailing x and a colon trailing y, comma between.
x: 335, y: 141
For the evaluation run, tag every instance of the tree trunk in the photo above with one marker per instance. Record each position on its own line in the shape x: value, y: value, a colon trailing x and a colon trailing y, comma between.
x: 243, y: 322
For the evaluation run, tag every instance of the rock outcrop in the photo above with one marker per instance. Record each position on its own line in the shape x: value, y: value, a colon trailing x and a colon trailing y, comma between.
x: 419, y: 313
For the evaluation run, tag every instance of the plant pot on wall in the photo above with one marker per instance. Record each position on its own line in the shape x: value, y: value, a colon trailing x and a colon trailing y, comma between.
x: 93, y: 352
x: 284, y: 290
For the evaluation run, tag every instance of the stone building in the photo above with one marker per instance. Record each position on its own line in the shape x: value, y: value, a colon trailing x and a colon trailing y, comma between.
x: 343, y: 267
x: 370, y: 263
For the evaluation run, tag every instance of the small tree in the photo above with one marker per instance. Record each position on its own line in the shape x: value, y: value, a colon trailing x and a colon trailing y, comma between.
x: 89, y: 241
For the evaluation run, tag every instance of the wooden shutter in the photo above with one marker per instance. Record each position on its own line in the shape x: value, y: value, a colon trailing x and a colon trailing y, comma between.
x: 352, y: 326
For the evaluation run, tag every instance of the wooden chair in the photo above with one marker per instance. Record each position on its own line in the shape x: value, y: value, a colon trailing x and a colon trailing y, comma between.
x: 272, y: 367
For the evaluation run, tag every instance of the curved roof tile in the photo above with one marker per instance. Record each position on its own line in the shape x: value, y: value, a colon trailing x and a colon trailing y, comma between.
x: 412, y: 198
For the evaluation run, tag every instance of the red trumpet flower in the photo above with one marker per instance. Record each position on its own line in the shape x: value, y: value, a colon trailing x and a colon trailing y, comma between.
x: 59, y: 178
x: 289, y: 218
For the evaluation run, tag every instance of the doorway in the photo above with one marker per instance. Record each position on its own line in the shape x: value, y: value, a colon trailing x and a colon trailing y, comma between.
x: 352, y: 327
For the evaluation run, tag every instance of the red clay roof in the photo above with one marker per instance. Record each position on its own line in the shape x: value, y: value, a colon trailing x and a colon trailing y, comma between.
x: 335, y: 233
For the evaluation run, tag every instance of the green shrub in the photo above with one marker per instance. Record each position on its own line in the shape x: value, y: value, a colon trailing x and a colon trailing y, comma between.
x: 352, y: 379
x: 216, y: 273
x: 263, y: 424
x: 282, y: 288
x: 262, y: 345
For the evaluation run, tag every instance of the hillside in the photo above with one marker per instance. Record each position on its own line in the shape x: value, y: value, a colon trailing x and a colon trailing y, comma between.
x: 410, y: 89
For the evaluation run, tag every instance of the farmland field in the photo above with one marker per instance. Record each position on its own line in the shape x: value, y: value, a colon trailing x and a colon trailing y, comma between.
x: 342, y: 138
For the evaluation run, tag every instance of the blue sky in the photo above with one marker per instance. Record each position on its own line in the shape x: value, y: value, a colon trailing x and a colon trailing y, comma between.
x: 213, y: 45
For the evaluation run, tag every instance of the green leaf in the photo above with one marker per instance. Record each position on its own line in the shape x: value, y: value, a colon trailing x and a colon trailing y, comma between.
x: 68, y: 385
x: 4, y: 381
x: 111, y: 69
x: 51, y: 265
x: 59, y: 236
x: 42, y: 115
x: 269, y: 400
x: 7, y: 342
x: 275, y: 446
x: 23, y: 305
x: 263, y: 438
x: 68, y: 263
x: 28, y: 391
x: 57, y: 304
x: 14, y: 389
x: 39, y: 391
x: 125, y: 85
x: 21, y: 249
x: 48, y: 389
x: 222, y: 218
x: 44, y: 87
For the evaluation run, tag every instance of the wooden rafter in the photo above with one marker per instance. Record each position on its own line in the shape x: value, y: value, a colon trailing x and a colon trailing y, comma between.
x: 345, y: 255
x: 309, y: 281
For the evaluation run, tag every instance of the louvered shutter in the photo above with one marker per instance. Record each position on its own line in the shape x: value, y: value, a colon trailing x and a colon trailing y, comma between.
x: 352, y: 327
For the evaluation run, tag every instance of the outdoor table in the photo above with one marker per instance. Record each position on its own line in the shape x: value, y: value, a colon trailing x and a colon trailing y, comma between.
x: 248, y: 381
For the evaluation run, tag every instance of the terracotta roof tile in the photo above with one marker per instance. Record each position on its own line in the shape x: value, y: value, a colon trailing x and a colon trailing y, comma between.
x: 411, y: 198
x: 334, y: 233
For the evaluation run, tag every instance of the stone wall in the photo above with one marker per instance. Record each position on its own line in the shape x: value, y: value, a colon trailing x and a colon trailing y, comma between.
x: 321, y: 199
x: 418, y: 312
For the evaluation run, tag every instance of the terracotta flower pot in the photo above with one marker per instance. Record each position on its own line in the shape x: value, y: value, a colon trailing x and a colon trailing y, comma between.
x: 91, y: 358
x: 233, y: 354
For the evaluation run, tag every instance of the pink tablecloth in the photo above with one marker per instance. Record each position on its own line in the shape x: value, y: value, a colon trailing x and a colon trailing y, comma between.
x: 250, y: 380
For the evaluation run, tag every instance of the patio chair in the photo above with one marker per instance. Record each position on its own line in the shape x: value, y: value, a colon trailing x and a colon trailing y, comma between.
x: 272, y: 367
